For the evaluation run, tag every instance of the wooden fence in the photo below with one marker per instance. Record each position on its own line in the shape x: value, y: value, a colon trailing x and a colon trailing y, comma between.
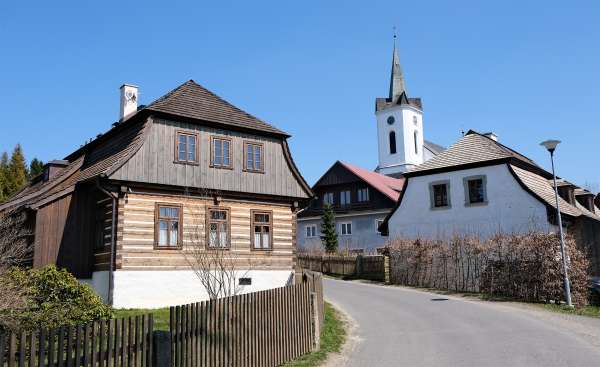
x: 371, y: 267
x: 266, y: 328
x: 105, y: 343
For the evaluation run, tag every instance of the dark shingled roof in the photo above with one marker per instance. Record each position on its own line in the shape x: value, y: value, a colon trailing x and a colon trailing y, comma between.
x: 193, y: 101
x: 385, y: 103
x: 470, y: 149
x: 433, y: 147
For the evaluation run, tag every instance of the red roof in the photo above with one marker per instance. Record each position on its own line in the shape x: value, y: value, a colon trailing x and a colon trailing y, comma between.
x: 389, y: 186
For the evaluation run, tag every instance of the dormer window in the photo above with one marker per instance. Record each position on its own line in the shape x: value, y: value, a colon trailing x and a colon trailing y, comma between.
x: 186, y: 148
x: 220, y: 152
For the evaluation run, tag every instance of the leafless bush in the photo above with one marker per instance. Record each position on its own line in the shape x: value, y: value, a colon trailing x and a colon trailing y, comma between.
x: 523, y: 267
x: 219, y: 267
x: 15, y: 249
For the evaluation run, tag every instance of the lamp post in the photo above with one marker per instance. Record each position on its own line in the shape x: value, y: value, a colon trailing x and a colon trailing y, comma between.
x: 550, y: 145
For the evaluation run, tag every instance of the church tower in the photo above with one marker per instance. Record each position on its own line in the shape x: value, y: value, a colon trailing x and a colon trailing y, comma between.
x: 399, y: 126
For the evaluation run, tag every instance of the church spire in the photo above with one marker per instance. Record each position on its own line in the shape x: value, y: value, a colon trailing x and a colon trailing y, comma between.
x: 397, y: 86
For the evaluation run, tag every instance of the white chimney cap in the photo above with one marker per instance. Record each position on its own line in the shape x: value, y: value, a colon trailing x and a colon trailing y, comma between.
x: 491, y: 135
x: 129, y: 101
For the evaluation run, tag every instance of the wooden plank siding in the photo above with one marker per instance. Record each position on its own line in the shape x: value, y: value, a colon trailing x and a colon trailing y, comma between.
x: 136, y: 232
x: 155, y: 163
x: 64, y: 233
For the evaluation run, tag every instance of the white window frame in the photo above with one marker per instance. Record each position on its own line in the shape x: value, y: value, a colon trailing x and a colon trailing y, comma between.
x: 311, y: 231
x: 344, y: 228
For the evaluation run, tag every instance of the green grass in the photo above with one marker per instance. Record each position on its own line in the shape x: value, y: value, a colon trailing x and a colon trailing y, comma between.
x: 161, y: 316
x: 591, y: 311
x: 333, y: 336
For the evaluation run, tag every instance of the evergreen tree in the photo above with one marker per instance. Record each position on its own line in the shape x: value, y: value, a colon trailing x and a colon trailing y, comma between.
x: 329, y: 235
x: 35, y: 168
x: 17, y: 171
x: 3, y: 177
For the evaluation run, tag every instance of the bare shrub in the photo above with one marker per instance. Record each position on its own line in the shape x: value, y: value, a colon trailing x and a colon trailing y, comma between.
x: 15, y: 249
x: 218, y: 266
x: 524, y: 267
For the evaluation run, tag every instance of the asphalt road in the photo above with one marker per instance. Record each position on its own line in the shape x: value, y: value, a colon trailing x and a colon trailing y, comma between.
x: 404, y: 327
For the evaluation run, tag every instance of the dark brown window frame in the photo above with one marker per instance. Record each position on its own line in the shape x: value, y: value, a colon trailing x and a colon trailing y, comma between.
x: 157, y: 219
x: 252, y: 223
x: 208, y: 221
x: 187, y: 133
x: 212, y: 151
x: 262, y: 156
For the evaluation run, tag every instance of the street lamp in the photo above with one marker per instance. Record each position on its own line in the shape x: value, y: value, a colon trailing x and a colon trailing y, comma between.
x: 550, y: 145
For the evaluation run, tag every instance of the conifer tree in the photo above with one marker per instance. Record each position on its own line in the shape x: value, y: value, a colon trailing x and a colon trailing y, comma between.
x: 35, y: 168
x: 329, y: 235
x: 17, y: 171
x: 3, y: 176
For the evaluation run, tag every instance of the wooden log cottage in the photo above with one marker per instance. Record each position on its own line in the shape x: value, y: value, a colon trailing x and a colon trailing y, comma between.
x: 189, y: 169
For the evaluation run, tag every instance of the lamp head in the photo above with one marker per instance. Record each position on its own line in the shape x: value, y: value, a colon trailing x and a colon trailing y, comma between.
x: 550, y: 145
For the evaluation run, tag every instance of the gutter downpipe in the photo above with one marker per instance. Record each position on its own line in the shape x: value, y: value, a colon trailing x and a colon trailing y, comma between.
x: 112, y: 241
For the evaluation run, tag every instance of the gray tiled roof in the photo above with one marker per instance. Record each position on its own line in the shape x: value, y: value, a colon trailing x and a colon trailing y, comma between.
x: 471, y: 148
x: 193, y: 101
x: 432, y: 147
x: 544, y: 190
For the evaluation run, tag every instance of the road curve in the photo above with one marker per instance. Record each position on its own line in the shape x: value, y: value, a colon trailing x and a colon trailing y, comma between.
x: 405, y: 327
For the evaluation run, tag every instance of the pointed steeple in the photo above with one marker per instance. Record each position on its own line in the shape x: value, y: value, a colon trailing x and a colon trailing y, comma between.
x: 397, y: 86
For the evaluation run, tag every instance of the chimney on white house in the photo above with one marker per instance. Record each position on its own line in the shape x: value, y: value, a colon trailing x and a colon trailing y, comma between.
x: 129, y: 101
x: 491, y: 135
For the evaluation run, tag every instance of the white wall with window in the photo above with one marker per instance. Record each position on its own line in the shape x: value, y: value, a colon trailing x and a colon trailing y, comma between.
x: 345, y: 228
x: 311, y: 231
x: 479, y: 201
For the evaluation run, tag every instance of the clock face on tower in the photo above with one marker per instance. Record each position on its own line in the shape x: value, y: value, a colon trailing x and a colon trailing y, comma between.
x: 390, y: 120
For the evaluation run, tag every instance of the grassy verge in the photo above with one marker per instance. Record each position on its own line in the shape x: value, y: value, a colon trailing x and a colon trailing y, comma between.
x: 161, y: 316
x: 333, y: 336
x: 591, y: 311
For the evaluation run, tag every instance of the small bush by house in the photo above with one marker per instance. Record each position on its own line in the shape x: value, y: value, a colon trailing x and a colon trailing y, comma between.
x: 521, y: 267
x: 51, y: 298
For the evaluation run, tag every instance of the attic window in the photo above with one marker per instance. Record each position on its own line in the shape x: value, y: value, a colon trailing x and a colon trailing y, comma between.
x: 363, y: 194
x: 186, y: 147
x: 253, y: 157
x: 220, y: 152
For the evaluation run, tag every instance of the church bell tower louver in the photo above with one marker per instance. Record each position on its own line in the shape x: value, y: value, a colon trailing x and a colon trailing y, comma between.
x: 399, y: 125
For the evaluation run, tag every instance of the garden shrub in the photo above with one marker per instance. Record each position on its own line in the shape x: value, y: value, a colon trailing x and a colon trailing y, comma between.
x: 521, y: 267
x: 54, y: 297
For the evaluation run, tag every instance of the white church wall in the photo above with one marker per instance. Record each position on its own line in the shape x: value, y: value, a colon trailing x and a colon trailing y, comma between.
x: 509, y: 209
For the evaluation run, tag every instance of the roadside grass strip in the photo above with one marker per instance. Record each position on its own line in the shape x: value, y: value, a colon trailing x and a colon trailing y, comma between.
x: 333, y: 336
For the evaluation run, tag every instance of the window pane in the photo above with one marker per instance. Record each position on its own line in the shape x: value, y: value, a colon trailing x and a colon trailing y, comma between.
x: 192, y: 148
x: 212, y: 237
x: 223, y: 235
x: 266, y: 238
x: 249, y: 157
x: 476, y: 191
x: 218, y: 155
x: 182, y: 147
x: 225, y: 152
x: 218, y: 214
x: 257, y: 157
x: 162, y: 233
x: 440, y: 195
x: 349, y: 228
x: 257, y: 236
x: 162, y: 212
x: 174, y: 234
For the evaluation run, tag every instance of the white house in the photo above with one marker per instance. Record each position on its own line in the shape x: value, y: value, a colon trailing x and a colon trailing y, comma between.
x: 480, y: 187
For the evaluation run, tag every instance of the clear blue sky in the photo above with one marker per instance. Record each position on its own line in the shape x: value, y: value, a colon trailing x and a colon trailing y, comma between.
x: 523, y: 69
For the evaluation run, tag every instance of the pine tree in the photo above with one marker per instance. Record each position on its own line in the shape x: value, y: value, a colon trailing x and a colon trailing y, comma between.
x: 3, y: 177
x: 17, y: 171
x: 329, y: 237
x: 35, y: 168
